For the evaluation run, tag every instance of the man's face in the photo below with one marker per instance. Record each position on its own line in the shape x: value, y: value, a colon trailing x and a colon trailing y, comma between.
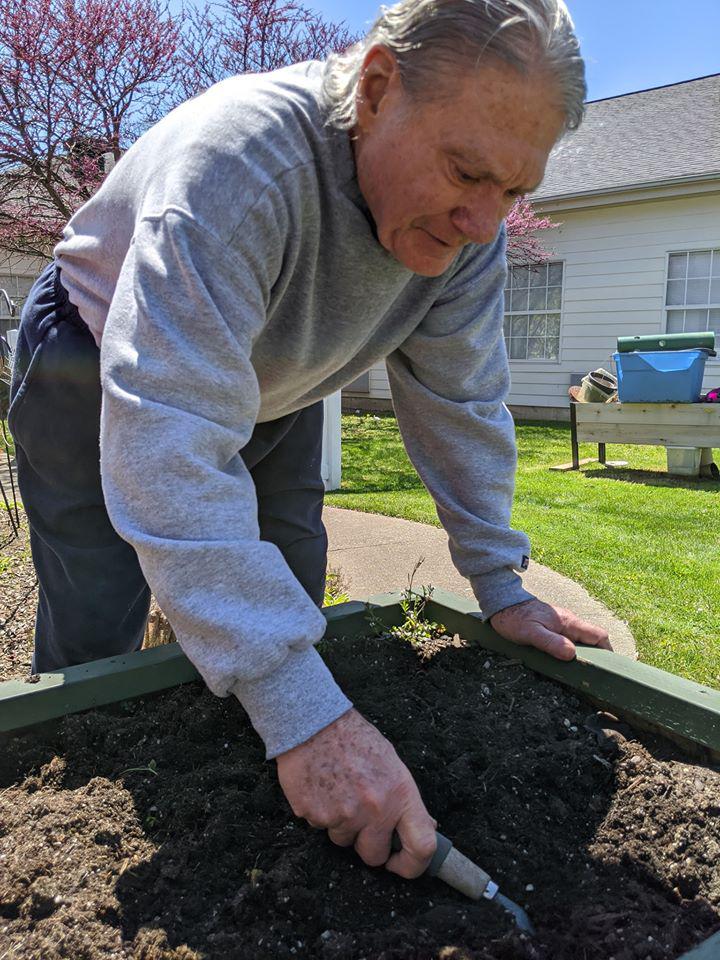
x: 442, y: 174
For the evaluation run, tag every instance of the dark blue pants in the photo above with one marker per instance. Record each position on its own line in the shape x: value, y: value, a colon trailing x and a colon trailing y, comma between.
x: 93, y: 597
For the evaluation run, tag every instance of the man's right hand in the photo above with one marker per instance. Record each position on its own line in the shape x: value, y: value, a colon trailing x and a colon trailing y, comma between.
x: 349, y: 780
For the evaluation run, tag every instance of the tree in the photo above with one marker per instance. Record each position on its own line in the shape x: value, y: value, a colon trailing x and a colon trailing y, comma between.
x: 250, y: 36
x: 81, y: 80
x: 524, y: 247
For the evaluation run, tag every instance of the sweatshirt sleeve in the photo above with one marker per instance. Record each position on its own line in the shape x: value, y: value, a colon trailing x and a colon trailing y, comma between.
x: 180, y: 399
x: 449, y: 381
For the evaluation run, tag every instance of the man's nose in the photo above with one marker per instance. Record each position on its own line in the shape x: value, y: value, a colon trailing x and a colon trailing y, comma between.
x: 479, y: 218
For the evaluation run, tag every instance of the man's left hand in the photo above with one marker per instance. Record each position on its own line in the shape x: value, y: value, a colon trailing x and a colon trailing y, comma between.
x: 551, y: 629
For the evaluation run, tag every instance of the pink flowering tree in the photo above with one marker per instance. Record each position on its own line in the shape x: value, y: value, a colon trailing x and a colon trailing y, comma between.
x: 523, y: 225
x: 81, y: 80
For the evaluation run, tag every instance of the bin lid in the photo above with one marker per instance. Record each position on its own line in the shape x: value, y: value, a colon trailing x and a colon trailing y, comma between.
x: 701, y: 339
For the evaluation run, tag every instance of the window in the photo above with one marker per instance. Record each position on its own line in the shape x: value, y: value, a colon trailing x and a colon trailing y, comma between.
x: 692, y: 298
x: 533, y: 298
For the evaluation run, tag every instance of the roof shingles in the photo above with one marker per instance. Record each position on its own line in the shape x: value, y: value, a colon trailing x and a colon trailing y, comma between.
x: 640, y: 138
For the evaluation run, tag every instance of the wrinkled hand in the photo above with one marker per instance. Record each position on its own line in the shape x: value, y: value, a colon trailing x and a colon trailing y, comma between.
x: 551, y: 629
x: 349, y: 780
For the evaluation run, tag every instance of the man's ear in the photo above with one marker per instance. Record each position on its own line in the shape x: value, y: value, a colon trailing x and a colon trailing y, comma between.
x: 378, y: 76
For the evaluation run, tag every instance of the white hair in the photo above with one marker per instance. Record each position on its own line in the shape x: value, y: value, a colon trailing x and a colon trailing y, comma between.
x: 431, y: 39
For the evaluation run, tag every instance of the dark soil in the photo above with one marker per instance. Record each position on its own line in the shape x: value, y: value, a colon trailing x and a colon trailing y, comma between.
x: 154, y: 830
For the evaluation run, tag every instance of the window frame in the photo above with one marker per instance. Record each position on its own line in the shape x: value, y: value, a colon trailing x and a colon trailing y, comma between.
x: 561, y: 310
x: 666, y: 308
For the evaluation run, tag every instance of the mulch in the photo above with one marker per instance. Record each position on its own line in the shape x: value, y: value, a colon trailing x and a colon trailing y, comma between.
x: 18, y: 600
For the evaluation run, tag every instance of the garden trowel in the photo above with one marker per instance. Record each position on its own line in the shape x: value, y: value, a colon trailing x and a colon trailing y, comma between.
x: 457, y: 871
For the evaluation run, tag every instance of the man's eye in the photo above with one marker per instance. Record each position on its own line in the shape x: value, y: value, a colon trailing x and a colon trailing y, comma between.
x: 466, y: 177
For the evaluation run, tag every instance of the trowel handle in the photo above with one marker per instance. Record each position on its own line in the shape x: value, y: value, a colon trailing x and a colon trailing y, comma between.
x: 456, y: 870
x: 444, y: 846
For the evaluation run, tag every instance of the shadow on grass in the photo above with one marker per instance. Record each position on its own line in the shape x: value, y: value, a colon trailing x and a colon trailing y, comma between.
x: 653, y: 478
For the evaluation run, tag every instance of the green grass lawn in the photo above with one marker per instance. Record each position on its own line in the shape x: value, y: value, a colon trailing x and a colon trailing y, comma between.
x: 645, y: 544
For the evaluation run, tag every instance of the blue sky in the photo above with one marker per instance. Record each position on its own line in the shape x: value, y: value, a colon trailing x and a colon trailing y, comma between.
x: 627, y: 44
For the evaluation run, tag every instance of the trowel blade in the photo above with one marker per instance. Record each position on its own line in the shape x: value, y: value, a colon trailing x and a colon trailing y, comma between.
x: 521, y: 918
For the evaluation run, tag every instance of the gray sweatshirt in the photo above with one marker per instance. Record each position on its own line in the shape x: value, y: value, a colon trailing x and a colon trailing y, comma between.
x: 229, y: 269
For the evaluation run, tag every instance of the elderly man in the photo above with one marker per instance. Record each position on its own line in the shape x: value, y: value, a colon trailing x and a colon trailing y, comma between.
x: 253, y: 252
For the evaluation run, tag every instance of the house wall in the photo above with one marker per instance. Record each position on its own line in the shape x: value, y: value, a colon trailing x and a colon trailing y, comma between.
x: 376, y: 398
x: 615, y: 258
x: 17, y: 275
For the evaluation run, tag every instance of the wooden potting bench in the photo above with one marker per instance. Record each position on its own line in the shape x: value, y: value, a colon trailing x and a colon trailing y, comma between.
x: 688, y: 431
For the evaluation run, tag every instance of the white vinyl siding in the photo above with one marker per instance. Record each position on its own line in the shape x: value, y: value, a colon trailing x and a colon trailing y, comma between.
x: 379, y: 385
x: 17, y: 288
x: 693, y: 291
x: 17, y: 275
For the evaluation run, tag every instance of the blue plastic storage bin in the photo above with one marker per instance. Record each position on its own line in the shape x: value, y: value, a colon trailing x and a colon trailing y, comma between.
x: 660, y: 376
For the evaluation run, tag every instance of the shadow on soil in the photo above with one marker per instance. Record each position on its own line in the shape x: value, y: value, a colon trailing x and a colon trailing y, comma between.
x: 606, y: 837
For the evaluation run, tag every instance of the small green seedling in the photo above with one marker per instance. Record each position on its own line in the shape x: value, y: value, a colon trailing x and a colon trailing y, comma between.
x: 415, y: 629
x: 335, y: 588
x: 150, y: 768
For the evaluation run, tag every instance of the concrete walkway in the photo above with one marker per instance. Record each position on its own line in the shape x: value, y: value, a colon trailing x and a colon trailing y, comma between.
x: 376, y: 554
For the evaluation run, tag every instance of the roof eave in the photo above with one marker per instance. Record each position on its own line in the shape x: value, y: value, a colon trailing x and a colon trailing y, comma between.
x: 621, y: 188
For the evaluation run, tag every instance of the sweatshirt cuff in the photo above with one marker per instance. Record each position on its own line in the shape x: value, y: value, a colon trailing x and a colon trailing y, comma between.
x: 293, y: 703
x: 497, y: 590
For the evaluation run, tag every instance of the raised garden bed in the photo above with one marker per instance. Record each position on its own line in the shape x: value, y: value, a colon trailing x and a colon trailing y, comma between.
x: 152, y: 828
